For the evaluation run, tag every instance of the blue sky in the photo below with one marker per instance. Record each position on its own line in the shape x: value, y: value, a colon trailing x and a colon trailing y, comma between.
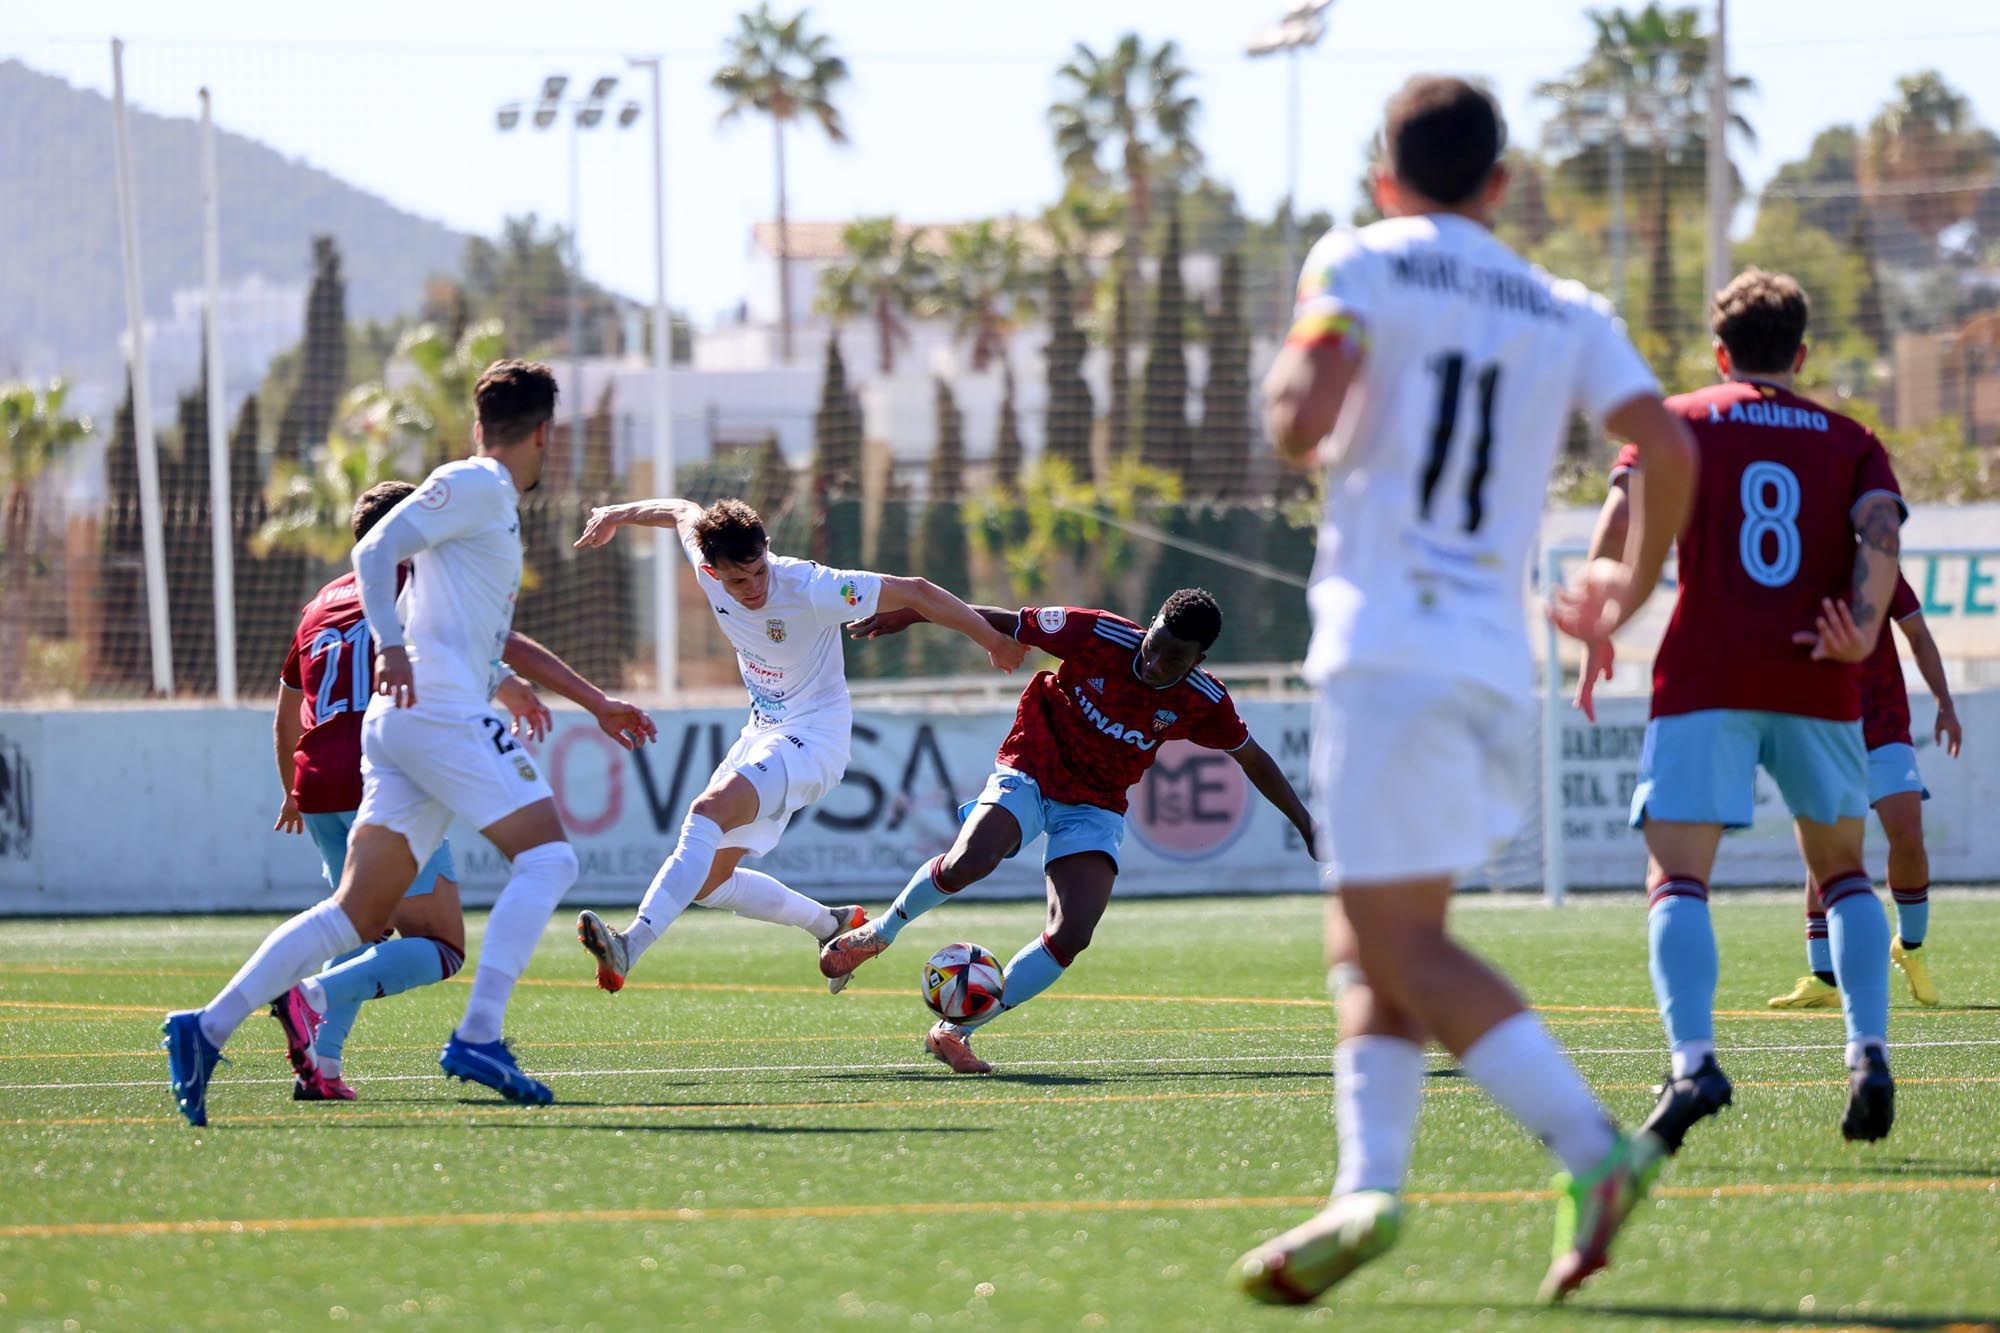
x: 945, y: 106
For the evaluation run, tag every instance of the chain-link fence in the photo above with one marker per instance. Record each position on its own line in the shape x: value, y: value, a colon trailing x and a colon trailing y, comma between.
x: 1058, y: 405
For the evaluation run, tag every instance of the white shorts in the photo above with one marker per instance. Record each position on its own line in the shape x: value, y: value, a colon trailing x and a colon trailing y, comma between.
x: 1416, y: 776
x: 798, y: 766
x: 420, y: 766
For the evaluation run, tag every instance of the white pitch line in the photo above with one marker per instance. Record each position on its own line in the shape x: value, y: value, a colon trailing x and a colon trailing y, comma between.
x: 1091, y: 1063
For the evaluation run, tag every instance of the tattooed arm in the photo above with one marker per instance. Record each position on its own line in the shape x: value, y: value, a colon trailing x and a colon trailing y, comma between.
x: 1877, y: 560
x: 1847, y: 631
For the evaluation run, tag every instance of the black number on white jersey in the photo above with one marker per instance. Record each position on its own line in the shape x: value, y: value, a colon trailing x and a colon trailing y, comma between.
x: 1450, y: 370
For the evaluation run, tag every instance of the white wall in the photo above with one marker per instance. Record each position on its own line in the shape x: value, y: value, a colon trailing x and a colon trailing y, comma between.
x: 169, y: 810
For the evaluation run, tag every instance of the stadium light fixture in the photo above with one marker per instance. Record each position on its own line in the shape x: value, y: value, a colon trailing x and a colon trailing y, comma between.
x: 586, y: 113
x: 1300, y: 28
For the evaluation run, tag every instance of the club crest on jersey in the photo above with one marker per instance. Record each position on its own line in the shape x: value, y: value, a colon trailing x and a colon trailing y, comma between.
x: 848, y: 594
x: 524, y: 768
x: 1097, y: 683
x: 436, y: 495
x: 1164, y: 719
x: 1051, y: 618
x: 774, y: 630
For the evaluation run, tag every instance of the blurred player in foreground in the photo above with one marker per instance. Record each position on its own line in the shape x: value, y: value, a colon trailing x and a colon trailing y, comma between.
x: 1445, y: 369
x: 432, y: 748
x: 324, y: 688
x: 1778, y: 606
x: 1083, y: 736
x: 783, y: 618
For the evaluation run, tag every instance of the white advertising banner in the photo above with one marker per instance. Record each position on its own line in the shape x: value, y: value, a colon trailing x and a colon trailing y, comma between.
x: 170, y: 810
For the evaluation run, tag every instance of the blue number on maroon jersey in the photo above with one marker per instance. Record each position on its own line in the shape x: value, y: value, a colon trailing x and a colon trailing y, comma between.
x: 329, y: 643
x: 1770, y: 518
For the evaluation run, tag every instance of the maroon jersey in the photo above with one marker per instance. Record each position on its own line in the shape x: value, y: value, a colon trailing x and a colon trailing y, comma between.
x: 1088, y: 731
x: 1771, y: 535
x: 332, y: 662
x: 1885, y: 700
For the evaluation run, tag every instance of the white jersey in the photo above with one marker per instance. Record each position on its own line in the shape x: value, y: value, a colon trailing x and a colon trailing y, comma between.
x: 1474, y: 361
x: 789, y: 649
x: 458, y: 606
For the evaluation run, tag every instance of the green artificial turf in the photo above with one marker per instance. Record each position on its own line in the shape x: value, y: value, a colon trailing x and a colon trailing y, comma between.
x: 734, y: 1148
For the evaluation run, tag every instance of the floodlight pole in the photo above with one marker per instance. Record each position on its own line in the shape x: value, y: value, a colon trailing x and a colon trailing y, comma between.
x: 666, y: 543
x: 1720, y: 205
x: 152, y: 540
x: 222, y: 517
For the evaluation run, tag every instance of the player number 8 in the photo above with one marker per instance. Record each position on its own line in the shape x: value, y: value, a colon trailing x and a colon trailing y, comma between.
x: 1770, y: 518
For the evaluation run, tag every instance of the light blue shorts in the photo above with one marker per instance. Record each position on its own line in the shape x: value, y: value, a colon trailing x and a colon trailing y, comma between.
x: 330, y: 831
x: 1892, y: 770
x: 1071, y: 828
x: 1701, y: 768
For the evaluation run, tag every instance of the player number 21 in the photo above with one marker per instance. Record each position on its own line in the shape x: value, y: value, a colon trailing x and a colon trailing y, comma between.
x: 1450, y: 370
x: 360, y: 674
x: 1769, y: 539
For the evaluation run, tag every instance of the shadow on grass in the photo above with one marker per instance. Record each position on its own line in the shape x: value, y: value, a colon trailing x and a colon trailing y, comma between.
x: 741, y: 1127
x: 1053, y: 1078
x: 1750, y: 1317
x: 1930, y: 1167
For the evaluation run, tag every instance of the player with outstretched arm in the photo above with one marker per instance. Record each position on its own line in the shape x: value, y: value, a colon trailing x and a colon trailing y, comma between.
x: 1083, y: 736
x: 783, y: 618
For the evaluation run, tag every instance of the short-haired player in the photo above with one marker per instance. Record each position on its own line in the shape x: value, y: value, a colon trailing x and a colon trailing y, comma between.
x: 432, y: 748
x: 1788, y: 565
x: 1433, y: 373
x: 1083, y: 736
x: 325, y: 684
x: 783, y: 617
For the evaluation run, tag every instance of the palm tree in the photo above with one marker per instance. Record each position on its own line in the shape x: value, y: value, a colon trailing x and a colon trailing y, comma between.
x: 778, y: 68
x: 39, y: 430
x: 1134, y: 102
x: 883, y: 278
x: 1642, y: 90
x: 431, y: 411
x: 1924, y: 138
x: 982, y: 287
x: 311, y: 505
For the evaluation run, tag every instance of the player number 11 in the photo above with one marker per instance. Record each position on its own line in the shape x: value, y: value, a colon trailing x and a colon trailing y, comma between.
x: 1450, y: 370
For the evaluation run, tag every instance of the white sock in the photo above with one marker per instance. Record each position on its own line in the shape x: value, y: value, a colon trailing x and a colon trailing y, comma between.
x: 1378, y: 1086
x: 1855, y: 1048
x: 314, y: 993
x: 542, y: 875
x: 676, y: 884
x: 291, y: 952
x: 328, y: 1067
x: 1522, y: 1068
x: 1688, y: 1055
x: 754, y: 894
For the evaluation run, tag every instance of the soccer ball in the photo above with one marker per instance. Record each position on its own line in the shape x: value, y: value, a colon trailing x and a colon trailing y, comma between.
x: 962, y: 982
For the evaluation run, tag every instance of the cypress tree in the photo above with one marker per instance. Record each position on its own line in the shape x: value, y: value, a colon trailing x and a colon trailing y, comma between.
x: 1007, y: 444
x: 1118, y: 419
x: 1222, y: 465
x: 1068, y: 413
x: 322, y: 359
x: 1163, y: 442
